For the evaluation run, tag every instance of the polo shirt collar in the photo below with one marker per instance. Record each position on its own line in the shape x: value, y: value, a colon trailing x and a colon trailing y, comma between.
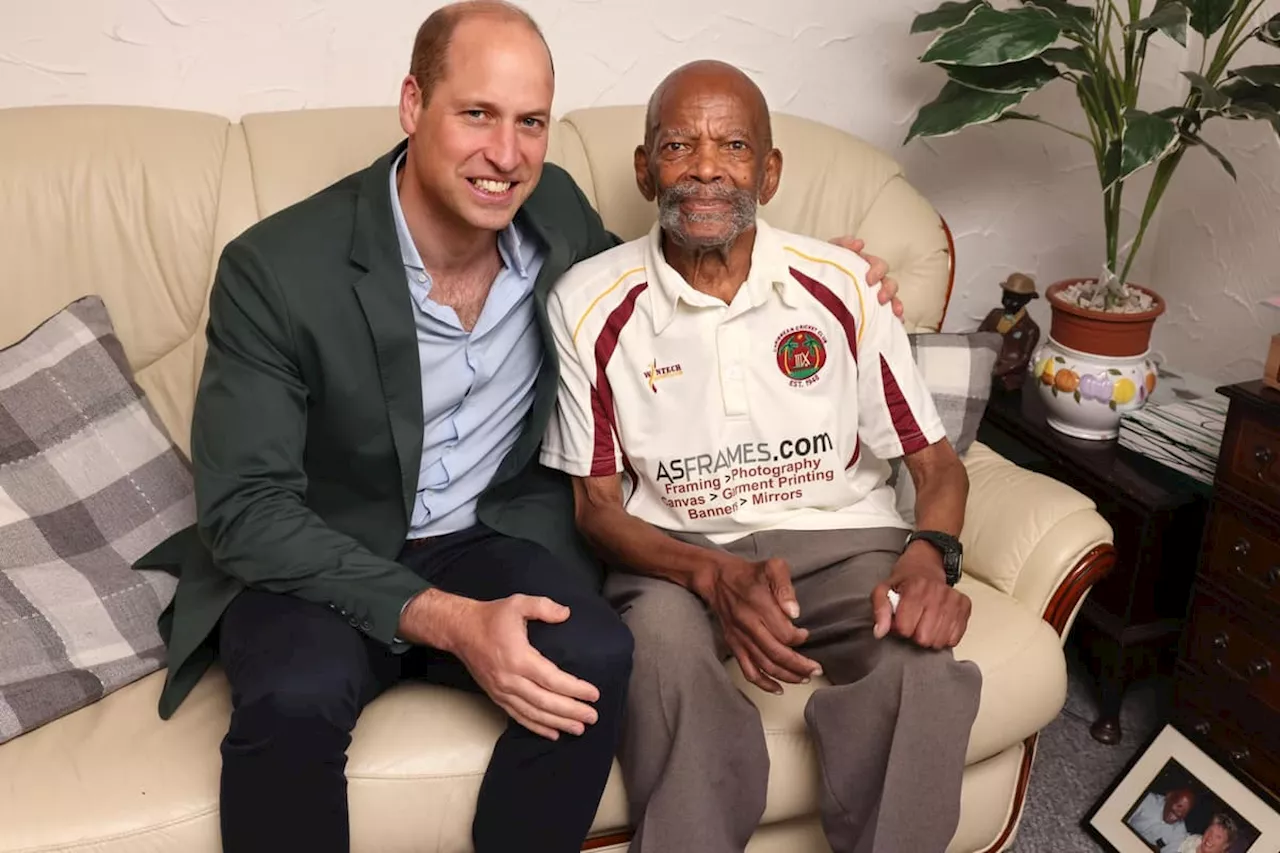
x: 769, y: 272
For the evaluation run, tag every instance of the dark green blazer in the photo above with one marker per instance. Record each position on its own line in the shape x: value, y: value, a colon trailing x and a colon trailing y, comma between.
x: 307, y: 428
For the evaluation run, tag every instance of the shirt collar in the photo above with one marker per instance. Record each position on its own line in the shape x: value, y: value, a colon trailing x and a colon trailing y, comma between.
x: 769, y: 272
x: 511, y: 244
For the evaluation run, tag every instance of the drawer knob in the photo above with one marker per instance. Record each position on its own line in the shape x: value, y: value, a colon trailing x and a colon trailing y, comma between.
x: 1260, y: 668
x: 1240, y: 756
x: 1263, y: 456
x: 1273, y: 576
x: 1202, y: 728
x: 1241, y: 548
x: 1221, y: 640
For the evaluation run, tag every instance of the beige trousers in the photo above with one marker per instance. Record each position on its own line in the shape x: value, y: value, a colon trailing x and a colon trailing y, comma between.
x: 891, y: 732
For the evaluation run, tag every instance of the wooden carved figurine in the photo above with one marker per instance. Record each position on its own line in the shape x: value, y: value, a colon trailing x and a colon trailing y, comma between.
x: 1021, y: 334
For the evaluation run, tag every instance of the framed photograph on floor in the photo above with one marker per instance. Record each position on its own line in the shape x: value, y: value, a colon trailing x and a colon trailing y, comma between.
x: 1174, y: 798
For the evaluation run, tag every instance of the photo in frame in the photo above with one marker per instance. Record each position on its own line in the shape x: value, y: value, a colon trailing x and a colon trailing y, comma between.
x: 1175, y: 798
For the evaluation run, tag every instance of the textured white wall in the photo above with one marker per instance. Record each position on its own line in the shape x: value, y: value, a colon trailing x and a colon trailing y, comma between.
x: 1218, y: 253
x: 1019, y: 197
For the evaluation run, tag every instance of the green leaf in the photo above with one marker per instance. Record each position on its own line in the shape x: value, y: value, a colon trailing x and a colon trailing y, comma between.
x: 1111, y: 163
x: 1059, y: 359
x: 1111, y: 404
x: 1169, y: 17
x: 957, y: 106
x: 1193, y: 139
x: 1258, y: 111
x: 1243, y: 93
x: 1077, y: 396
x: 989, y: 37
x: 1208, y: 16
x: 1270, y: 32
x: 1147, y: 138
x: 1259, y: 75
x: 1025, y: 76
x: 945, y: 16
x: 1175, y: 113
x: 1074, y: 19
x: 1210, y: 97
x: 1073, y: 57
x: 1114, y: 372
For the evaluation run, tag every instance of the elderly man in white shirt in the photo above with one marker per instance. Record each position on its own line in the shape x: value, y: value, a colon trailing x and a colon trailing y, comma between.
x: 719, y: 380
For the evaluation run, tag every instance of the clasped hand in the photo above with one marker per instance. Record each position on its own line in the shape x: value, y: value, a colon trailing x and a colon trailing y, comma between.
x: 930, y: 613
x: 755, y: 603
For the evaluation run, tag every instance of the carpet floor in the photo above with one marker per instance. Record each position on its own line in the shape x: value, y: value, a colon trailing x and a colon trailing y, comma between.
x: 1072, y: 770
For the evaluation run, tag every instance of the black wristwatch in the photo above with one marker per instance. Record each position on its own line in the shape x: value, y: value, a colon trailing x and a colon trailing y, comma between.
x: 950, y: 548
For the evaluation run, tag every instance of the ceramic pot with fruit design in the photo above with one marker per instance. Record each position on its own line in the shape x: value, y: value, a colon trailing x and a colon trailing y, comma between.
x: 1086, y: 394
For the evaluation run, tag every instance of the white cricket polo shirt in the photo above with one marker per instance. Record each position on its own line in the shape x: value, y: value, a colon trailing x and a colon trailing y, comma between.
x: 731, y: 419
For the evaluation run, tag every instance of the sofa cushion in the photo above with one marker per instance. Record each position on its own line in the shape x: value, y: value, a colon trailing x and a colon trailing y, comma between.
x: 89, y: 482
x: 957, y: 370
x: 419, y: 752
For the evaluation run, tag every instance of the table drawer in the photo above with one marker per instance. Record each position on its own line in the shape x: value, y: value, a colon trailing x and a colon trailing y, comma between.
x: 1219, y: 698
x: 1244, y: 557
x: 1238, y: 752
x: 1253, y: 463
x: 1222, y: 644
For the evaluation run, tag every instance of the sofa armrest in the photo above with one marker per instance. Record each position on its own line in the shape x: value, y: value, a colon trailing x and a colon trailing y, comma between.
x: 1032, y: 537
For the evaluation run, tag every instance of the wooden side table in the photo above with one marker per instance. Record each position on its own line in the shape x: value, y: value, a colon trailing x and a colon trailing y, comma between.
x: 1135, y: 614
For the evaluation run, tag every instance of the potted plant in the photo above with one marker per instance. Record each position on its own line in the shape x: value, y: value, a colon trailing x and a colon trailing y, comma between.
x: 1101, y: 326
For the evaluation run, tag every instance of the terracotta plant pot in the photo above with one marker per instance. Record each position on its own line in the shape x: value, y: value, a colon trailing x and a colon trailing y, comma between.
x: 1107, y: 334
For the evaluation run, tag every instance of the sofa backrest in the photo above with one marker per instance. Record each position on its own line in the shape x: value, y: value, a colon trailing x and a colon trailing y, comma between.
x: 135, y: 204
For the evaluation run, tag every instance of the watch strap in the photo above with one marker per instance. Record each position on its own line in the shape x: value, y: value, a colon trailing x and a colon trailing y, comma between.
x: 950, y: 548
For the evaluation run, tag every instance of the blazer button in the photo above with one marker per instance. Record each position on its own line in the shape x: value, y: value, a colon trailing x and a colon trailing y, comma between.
x: 366, y: 626
x: 355, y: 623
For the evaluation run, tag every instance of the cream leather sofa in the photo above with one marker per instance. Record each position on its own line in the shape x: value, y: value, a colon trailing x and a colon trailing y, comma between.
x: 135, y: 205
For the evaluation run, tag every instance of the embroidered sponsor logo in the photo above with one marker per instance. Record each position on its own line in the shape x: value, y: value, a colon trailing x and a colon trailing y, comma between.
x: 654, y: 374
x: 801, y: 353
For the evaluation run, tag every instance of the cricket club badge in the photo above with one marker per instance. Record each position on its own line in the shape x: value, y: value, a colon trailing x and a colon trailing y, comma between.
x: 801, y: 353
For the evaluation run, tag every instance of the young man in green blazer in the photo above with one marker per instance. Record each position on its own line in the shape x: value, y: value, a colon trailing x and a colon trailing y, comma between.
x: 370, y: 502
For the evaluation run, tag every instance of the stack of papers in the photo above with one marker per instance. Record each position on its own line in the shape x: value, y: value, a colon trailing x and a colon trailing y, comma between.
x: 1182, y: 431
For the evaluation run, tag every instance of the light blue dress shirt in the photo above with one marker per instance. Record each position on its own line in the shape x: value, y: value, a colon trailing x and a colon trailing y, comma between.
x: 477, y: 386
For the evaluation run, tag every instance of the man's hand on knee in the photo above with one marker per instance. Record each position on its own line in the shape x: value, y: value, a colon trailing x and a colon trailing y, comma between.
x: 930, y: 613
x: 491, y: 639
x: 755, y: 603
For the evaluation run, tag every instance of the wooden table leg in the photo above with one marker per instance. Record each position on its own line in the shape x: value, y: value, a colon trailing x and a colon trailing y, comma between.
x: 1113, y: 677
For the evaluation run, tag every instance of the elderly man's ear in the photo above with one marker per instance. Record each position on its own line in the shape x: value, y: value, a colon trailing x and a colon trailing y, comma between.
x: 644, y: 180
x: 878, y: 274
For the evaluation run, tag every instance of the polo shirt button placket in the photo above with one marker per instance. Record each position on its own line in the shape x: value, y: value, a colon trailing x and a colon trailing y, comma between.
x: 730, y: 350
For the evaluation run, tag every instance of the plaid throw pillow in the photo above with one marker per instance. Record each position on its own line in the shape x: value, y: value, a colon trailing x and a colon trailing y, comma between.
x: 957, y: 370
x: 89, y: 482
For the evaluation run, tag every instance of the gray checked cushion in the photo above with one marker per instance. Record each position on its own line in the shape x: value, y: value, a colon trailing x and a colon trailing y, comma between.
x: 956, y: 367
x: 89, y: 482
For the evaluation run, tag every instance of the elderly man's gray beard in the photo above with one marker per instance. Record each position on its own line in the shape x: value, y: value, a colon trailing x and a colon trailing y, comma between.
x: 740, y: 217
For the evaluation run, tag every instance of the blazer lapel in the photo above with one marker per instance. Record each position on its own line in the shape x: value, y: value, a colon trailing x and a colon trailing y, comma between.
x: 384, y: 298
